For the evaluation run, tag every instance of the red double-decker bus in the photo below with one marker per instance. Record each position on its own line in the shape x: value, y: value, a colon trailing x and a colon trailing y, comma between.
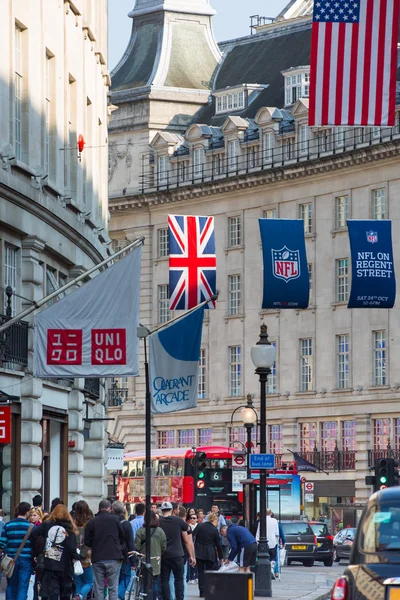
x: 175, y: 478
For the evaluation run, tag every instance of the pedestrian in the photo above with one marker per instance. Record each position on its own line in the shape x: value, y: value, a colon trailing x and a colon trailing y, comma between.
x: 125, y: 574
x: 35, y: 516
x: 181, y: 513
x: 192, y: 571
x: 175, y: 530
x: 13, y: 539
x: 208, y: 548
x: 200, y: 515
x: 243, y: 545
x: 158, y: 545
x: 221, y: 519
x: 154, y: 508
x: 137, y: 523
x: 191, y: 511
x: 272, y: 535
x: 37, y: 502
x: 84, y: 582
x: 60, y: 550
x: 225, y: 543
x: 105, y: 536
x: 55, y: 502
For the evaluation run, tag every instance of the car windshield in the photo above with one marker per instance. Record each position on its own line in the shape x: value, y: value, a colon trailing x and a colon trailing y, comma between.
x: 381, y: 529
x: 320, y: 529
x: 297, y: 529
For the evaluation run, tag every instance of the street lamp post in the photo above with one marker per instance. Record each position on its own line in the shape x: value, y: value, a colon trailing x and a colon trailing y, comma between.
x: 263, y: 357
x: 249, y: 417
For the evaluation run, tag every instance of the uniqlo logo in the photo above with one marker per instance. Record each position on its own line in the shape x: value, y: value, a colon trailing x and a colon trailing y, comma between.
x: 108, y: 346
x: 64, y: 346
x: 5, y: 425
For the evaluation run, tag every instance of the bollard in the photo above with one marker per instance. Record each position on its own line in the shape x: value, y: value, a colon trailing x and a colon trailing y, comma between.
x: 228, y: 586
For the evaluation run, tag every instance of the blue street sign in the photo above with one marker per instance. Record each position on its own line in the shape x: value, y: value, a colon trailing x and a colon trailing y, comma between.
x: 262, y: 461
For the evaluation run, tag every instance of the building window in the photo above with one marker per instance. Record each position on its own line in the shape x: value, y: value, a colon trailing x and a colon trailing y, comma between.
x: 339, y: 133
x: 186, y: 437
x: 162, y: 243
x: 381, y: 433
x: 202, y: 385
x: 164, y: 313
x: 166, y: 439
x: 239, y: 434
x: 296, y: 86
x: 268, y: 144
x: 233, y: 155
x: 10, y: 275
x: 18, y: 75
x: 348, y: 435
x: 310, y: 278
x: 342, y: 361
x: 48, y: 99
x: 306, y: 365
x: 308, y: 436
x: 232, y: 101
x: 342, y: 211
x: 342, y: 279
x: 379, y: 357
x: 217, y: 165
x: 234, y: 231
x: 163, y: 169
x: 304, y: 136
x: 270, y: 214
x: 235, y: 371
x: 204, y: 437
x: 275, y: 434
x: 397, y: 433
x: 379, y: 204
x: 307, y: 216
x: 198, y: 162
x: 234, y: 294
x: 251, y: 158
x: 328, y: 435
x: 271, y: 381
x: 181, y: 171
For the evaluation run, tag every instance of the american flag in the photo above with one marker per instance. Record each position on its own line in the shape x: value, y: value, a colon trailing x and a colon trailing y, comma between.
x: 192, y: 261
x: 353, y: 62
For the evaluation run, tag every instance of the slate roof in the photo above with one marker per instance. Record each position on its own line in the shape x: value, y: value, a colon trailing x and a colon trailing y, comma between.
x: 259, y: 59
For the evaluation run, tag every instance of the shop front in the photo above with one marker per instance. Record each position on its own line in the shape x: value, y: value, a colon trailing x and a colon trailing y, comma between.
x: 10, y: 452
x: 334, y: 501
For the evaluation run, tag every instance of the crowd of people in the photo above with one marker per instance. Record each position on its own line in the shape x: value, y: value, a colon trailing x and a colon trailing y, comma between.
x: 59, y: 555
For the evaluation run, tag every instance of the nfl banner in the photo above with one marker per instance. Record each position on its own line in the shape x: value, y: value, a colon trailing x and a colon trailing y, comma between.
x: 373, y: 278
x: 286, y: 279
x: 192, y: 261
x: 92, y: 332
x: 174, y: 354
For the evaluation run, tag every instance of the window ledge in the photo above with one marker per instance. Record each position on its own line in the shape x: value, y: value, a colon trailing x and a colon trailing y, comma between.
x: 338, y: 230
x: 311, y: 236
x: 373, y: 388
x: 309, y: 393
x: 336, y: 304
x: 269, y: 311
x: 240, y: 247
x: 240, y: 316
x: 236, y: 398
x: 342, y: 390
x: 160, y: 259
x: 21, y: 166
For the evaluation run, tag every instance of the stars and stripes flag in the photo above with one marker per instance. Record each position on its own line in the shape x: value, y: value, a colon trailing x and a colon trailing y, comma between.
x: 353, y: 62
x: 192, y: 261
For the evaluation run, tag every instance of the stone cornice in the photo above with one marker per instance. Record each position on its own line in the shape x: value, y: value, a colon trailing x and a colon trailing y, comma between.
x: 298, y: 170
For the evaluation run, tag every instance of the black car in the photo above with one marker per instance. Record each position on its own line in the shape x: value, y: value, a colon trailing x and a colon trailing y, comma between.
x: 342, y: 543
x: 374, y: 569
x: 324, y: 551
x: 300, y: 542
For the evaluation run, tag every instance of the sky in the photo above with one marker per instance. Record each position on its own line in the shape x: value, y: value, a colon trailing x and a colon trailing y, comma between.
x: 231, y: 21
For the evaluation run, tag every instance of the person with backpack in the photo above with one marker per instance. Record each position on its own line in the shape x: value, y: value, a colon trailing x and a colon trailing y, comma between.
x: 15, y: 544
x: 60, y: 550
x: 158, y: 545
x: 125, y: 574
x: 83, y: 583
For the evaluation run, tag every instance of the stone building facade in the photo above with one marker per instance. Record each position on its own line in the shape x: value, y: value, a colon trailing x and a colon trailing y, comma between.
x: 248, y: 153
x: 53, y: 226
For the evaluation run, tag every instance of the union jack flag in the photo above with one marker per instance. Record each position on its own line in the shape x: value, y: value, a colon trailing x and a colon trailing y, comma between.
x: 192, y: 261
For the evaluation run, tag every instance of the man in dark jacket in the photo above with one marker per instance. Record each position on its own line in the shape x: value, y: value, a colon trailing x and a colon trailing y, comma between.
x: 105, y: 536
x: 207, y: 548
x: 125, y: 574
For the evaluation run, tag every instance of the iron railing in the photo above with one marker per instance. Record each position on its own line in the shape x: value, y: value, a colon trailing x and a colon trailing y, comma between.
x: 14, y: 343
x: 253, y: 158
x: 117, y: 396
x: 92, y: 387
x: 374, y: 455
x: 331, y: 460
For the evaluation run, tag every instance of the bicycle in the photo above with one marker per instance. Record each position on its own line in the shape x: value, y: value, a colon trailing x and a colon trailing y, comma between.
x: 137, y: 585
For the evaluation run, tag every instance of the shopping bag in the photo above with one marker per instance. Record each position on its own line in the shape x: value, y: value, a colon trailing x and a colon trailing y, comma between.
x: 231, y: 567
x: 282, y: 557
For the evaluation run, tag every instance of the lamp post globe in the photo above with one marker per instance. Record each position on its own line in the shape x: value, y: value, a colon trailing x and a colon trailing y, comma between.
x: 248, y: 415
x: 263, y: 356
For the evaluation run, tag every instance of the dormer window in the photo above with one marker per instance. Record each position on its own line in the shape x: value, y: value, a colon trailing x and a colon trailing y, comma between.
x: 230, y: 101
x: 297, y: 84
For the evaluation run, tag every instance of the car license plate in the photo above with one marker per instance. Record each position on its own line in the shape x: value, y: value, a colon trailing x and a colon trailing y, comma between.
x: 299, y: 547
x: 319, y: 544
x: 394, y: 593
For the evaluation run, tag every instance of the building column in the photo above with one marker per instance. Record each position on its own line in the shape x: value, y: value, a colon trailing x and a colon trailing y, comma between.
x: 220, y: 435
x: 94, y: 472
x: 290, y: 438
x: 76, y: 445
x: 363, y: 440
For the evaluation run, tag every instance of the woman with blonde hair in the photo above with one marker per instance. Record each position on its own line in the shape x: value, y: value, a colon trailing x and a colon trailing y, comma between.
x: 35, y: 516
x: 207, y: 548
x: 59, y: 534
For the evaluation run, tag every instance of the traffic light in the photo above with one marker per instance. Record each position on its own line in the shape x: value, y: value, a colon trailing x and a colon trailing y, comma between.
x: 386, y: 473
x: 201, y: 463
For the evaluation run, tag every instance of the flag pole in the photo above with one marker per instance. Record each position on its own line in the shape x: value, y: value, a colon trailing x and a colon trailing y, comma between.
x: 210, y: 299
x: 65, y: 287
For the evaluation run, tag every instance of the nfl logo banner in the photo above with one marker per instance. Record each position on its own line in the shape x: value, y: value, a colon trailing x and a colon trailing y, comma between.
x: 174, y: 354
x: 92, y: 332
x: 192, y: 261
x: 373, y: 278
x: 286, y: 279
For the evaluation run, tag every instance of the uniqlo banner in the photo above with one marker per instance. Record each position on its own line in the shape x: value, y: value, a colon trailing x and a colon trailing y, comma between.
x: 286, y: 278
x: 174, y: 354
x: 5, y: 424
x: 92, y: 332
x: 373, y: 282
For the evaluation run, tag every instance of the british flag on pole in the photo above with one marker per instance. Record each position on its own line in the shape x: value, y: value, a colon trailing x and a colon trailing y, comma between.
x: 353, y: 62
x: 192, y: 261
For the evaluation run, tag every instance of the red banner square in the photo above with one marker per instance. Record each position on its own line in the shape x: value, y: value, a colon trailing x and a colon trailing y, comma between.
x: 5, y: 424
x: 64, y: 346
x: 108, y: 346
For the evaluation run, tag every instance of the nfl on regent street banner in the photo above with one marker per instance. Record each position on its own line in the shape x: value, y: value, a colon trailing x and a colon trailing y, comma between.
x: 174, y: 353
x: 373, y: 282
x: 92, y: 332
x: 286, y: 278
